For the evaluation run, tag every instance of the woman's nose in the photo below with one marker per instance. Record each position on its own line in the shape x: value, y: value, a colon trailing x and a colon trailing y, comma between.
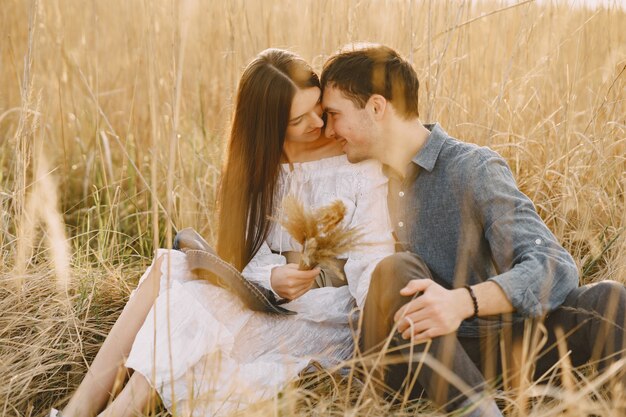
x: 317, y: 120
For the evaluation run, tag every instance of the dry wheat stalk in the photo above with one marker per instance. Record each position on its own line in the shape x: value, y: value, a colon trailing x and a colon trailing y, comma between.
x: 320, y: 232
x: 565, y: 143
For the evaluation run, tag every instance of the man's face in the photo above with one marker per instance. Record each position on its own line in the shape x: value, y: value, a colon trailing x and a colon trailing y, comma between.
x: 352, y: 126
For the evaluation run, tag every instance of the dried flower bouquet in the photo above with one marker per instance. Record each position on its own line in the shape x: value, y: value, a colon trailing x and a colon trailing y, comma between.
x: 321, y: 233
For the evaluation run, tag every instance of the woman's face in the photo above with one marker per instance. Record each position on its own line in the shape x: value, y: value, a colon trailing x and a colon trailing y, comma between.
x: 305, y: 118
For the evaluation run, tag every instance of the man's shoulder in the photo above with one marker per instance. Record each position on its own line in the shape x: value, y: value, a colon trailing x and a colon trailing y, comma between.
x: 467, y: 156
x: 477, y: 170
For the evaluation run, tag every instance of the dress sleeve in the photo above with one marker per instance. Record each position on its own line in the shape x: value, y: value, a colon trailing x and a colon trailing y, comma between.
x: 371, y: 215
x: 259, y: 269
x: 536, y: 272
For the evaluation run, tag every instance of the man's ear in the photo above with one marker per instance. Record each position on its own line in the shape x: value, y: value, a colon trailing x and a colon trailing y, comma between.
x: 378, y: 105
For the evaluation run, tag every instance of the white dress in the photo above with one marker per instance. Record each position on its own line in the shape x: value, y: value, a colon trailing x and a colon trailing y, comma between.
x: 220, y: 356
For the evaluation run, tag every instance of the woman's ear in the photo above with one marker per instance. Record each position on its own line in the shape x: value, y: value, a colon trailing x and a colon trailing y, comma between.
x: 378, y: 105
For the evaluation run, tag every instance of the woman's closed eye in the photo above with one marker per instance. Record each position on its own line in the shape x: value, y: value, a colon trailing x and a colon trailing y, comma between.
x: 296, y: 121
x: 309, y: 116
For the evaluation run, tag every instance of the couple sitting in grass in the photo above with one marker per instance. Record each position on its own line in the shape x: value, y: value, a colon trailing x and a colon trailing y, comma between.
x: 452, y: 261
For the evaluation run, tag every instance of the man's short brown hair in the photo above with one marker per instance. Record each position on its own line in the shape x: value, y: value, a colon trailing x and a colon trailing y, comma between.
x: 373, y: 69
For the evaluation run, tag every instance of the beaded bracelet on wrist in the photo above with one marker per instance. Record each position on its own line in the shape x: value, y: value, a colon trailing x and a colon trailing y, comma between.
x: 474, y: 300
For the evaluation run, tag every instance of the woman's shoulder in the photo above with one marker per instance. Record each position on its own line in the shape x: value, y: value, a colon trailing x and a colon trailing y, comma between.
x: 369, y: 166
x: 334, y: 165
x: 317, y: 165
x: 369, y: 169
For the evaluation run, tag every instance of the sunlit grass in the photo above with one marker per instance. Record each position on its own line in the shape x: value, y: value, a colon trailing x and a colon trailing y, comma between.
x: 113, y: 117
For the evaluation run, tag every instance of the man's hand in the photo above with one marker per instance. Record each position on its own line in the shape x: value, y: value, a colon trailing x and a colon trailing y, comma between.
x: 435, y: 312
x: 290, y: 283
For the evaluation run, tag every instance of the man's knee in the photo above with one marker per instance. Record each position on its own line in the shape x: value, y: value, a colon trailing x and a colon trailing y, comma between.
x: 608, y: 288
x: 608, y: 298
x: 395, y: 271
x: 611, y: 296
x: 384, y: 298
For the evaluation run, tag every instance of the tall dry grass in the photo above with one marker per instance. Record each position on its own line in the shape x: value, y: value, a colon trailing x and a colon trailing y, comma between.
x: 112, y: 120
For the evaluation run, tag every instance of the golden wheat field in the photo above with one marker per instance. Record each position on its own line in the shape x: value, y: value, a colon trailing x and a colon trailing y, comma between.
x: 113, y: 116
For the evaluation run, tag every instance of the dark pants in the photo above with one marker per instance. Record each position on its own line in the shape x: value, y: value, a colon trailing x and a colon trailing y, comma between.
x: 591, y: 319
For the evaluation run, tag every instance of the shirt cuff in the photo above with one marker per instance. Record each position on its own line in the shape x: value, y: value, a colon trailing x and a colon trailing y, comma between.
x: 261, y: 275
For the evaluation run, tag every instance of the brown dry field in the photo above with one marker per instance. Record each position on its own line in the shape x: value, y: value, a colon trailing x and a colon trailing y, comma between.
x: 113, y: 117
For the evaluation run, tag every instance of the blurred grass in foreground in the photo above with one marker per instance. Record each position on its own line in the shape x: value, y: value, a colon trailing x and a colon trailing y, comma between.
x: 113, y: 116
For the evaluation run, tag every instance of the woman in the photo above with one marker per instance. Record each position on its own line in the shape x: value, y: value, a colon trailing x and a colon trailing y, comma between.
x: 202, y: 350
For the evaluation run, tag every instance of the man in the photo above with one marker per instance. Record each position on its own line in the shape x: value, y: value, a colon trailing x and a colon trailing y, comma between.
x: 477, y: 258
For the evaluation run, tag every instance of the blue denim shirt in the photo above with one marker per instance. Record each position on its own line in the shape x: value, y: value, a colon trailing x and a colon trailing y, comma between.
x: 460, y: 210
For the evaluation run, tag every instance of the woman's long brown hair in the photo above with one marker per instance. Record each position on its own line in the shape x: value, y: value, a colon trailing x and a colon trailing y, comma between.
x: 257, y: 135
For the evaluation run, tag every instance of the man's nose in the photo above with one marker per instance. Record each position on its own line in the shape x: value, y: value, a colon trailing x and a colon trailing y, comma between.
x: 329, y: 131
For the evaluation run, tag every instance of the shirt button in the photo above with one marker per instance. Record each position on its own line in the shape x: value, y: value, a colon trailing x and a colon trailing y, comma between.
x: 401, y: 224
x: 538, y: 242
x: 401, y: 193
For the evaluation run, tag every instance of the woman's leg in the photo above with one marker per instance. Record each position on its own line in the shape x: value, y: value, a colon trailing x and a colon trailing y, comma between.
x: 95, y: 389
x: 132, y: 400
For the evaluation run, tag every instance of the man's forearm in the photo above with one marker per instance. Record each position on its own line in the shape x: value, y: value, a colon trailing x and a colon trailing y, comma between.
x: 438, y: 311
x: 490, y: 297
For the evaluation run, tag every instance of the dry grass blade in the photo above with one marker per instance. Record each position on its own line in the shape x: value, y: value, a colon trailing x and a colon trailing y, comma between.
x: 547, y: 93
x: 330, y: 216
x: 297, y: 220
x: 321, y: 232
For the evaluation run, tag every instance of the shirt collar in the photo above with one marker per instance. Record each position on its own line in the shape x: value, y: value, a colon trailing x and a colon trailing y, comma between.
x: 427, y: 156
